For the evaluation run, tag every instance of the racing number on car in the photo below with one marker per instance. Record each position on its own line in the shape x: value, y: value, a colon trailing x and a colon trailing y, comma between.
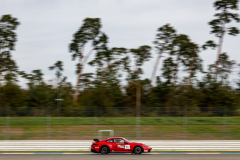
x: 127, y: 146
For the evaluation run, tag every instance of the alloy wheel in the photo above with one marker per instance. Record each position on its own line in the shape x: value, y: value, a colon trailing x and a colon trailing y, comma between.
x: 138, y: 150
x: 104, y: 150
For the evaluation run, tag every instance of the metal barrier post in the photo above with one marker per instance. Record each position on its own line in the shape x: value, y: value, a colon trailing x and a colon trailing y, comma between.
x: 49, y: 123
x: 7, y: 123
x: 95, y: 121
x: 185, y: 123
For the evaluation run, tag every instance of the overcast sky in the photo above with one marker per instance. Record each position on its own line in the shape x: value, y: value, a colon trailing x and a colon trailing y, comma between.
x: 47, y: 27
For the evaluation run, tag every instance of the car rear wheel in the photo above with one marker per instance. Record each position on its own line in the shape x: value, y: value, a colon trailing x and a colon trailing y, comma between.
x: 104, y: 150
x: 137, y: 150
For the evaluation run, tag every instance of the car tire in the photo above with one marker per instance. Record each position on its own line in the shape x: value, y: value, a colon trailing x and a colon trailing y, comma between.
x: 104, y: 150
x: 137, y: 150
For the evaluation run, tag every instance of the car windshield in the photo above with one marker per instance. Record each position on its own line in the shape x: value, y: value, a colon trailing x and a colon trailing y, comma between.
x: 127, y: 140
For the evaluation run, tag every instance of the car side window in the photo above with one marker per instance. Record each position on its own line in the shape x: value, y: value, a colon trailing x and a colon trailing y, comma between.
x: 111, y: 140
x: 119, y: 140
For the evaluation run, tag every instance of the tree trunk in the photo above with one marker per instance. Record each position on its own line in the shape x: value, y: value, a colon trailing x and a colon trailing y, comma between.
x: 82, y: 62
x: 0, y: 78
x: 104, y: 73
x: 87, y: 56
x: 75, y: 96
x: 175, y: 74
x: 1, y: 68
x: 220, y: 43
x: 155, y: 68
x: 138, y: 99
x: 191, y: 69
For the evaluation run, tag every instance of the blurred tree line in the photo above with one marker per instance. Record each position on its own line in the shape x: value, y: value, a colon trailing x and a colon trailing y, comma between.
x: 118, y: 71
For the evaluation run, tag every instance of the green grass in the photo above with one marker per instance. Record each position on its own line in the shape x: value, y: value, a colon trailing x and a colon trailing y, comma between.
x: 169, y: 128
x: 15, y: 121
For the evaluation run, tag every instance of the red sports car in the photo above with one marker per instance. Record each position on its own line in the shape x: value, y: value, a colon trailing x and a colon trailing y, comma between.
x: 118, y: 145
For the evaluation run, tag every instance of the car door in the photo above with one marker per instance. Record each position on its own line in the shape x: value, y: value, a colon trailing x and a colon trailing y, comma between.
x: 120, y: 144
x: 112, y: 145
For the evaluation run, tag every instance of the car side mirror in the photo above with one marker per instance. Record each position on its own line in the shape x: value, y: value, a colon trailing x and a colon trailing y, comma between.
x: 125, y: 142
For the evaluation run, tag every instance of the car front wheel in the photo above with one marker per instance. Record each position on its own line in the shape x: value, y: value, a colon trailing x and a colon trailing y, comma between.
x: 137, y: 150
x: 104, y: 150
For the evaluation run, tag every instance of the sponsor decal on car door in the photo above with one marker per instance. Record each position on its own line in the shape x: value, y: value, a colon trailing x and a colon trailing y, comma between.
x: 123, y: 147
x: 120, y: 146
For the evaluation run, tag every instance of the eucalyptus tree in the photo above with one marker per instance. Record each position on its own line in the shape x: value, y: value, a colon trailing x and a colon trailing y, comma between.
x: 191, y: 60
x: 163, y: 42
x: 140, y: 55
x: 223, y: 18
x: 168, y: 70
x: 184, y: 53
x: 58, y: 67
x: 106, y: 83
x: 225, y: 67
x: 178, y: 51
x: 164, y: 90
x: 109, y: 61
x: 9, y: 67
x: 86, y: 80
x: 8, y: 38
x: 102, y: 57
x: 86, y: 33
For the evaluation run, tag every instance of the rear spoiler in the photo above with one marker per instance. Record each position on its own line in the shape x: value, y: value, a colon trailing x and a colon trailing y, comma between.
x: 96, y: 140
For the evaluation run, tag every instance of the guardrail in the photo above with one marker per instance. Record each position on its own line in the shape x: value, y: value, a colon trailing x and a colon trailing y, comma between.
x: 84, y: 145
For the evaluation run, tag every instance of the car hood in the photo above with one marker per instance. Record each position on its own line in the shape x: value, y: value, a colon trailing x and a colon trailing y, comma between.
x: 137, y: 143
x: 141, y: 144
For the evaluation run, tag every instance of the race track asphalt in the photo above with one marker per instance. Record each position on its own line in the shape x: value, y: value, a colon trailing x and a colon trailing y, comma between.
x: 120, y: 157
